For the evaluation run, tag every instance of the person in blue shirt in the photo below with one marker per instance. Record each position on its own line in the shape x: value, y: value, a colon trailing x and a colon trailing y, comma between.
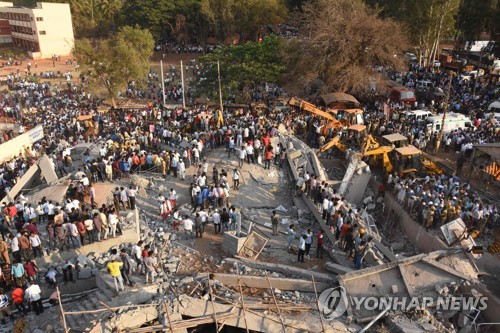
x: 17, y: 271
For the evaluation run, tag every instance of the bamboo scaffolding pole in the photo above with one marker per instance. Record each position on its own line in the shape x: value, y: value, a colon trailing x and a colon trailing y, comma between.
x: 168, y: 315
x: 242, y: 298
x: 212, y: 301
x: 317, y: 304
x: 62, y: 311
x: 276, y: 303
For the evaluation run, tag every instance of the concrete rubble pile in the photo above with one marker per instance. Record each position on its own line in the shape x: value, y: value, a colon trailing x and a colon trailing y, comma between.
x: 266, y: 297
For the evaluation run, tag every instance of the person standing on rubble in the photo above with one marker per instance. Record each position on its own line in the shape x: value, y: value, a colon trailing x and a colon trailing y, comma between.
x: 302, y: 248
x: 309, y: 241
x: 113, y: 222
x: 224, y: 218
x: 131, y: 192
x: 114, y: 269
x: 359, y: 251
x: 320, y: 242
x: 275, y: 222
x: 188, y: 227
x: 126, y: 269
x: 291, y: 236
x: 137, y: 255
x: 151, y: 266
x: 198, y: 224
x: 216, y: 219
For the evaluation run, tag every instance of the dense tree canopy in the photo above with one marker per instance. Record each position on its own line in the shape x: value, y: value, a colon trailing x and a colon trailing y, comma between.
x: 112, y: 63
x: 246, y: 17
x: 340, y: 43
x: 243, y: 67
x: 428, y: 22
x: 475, y: 17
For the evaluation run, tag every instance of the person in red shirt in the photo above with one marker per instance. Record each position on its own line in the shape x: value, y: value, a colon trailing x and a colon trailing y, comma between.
x: 31, y: 270
x: 18, y: 300
x: 268, y: 155
x: 31, y: 228
x: 145, y: 252
x: 343, y: 232
x: 321, y: 242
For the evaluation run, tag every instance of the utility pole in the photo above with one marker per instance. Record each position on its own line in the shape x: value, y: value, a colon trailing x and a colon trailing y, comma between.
x: 477, y: 75
x: 182, y: 83
x: 162, y: 82
x: 220, y: 87
x: 441, y: 130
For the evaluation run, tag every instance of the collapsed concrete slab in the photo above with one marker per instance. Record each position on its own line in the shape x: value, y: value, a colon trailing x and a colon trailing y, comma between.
x: 417, y: 276
x: 262, y: 282
x: 285, y: 269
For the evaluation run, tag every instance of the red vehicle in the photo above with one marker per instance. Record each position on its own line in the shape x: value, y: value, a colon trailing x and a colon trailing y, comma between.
x: 402, y: 94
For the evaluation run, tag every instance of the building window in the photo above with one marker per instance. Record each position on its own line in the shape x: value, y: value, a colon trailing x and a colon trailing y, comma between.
x: 39, y: 18
x: 42, y: 32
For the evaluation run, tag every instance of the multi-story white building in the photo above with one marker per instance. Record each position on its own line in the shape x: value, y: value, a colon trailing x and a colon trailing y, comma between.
x: 44, y: 31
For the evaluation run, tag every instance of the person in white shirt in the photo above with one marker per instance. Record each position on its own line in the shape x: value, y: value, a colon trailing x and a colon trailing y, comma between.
x: 236, y: 179
x: 302, y: 248
x: 188, y: 227
x: 172, y: 196
x: 299, y: 185
x: 113, y: 222
x: 216, y: 218
x: 33, y: 295
x: 14, y: 245
x: 181, y: 167
x: 131, y: 192
x: 36, y: 245
x: 89, y: 227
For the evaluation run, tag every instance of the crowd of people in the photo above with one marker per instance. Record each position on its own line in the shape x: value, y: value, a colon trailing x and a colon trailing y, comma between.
x: 169, y: 141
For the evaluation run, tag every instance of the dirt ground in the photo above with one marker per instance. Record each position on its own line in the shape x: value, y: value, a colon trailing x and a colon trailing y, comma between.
x: 45, y: 65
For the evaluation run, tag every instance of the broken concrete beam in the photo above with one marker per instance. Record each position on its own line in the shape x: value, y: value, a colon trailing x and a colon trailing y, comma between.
x: 262, y: 283
x: 295, y: 154
x: 285, y: 269
x: 319, y: 171
x: 193, y: 307
x: 337, y: 269
x: 135, y: 318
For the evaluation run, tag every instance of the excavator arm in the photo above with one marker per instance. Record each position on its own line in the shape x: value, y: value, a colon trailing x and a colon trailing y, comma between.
x: 431, y: 167
x: 384, y: 151
x: 369, y: 144
x: 335, y: 142
x: 309, y: 107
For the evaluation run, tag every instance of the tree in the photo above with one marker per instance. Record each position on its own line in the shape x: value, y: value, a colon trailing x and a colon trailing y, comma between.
x: 112, y: 63
x: 247, y: 17
x: 340, y: 43
x: 475, y: 17
x: 428, y: 22
x: 154, y: 15
x: 242, y: 68
x: 110, y: 9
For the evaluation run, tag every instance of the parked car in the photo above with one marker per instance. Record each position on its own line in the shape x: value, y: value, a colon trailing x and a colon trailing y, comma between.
x: 436, y: 63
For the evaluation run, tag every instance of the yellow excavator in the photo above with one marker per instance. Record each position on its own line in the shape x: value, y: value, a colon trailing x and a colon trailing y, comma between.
x: 358, y: 134
x: 332, y: 122
x: 413, y: 159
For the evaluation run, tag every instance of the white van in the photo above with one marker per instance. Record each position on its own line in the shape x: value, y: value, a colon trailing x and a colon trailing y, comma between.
x: 453, y: 121
x: 417, y: 115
